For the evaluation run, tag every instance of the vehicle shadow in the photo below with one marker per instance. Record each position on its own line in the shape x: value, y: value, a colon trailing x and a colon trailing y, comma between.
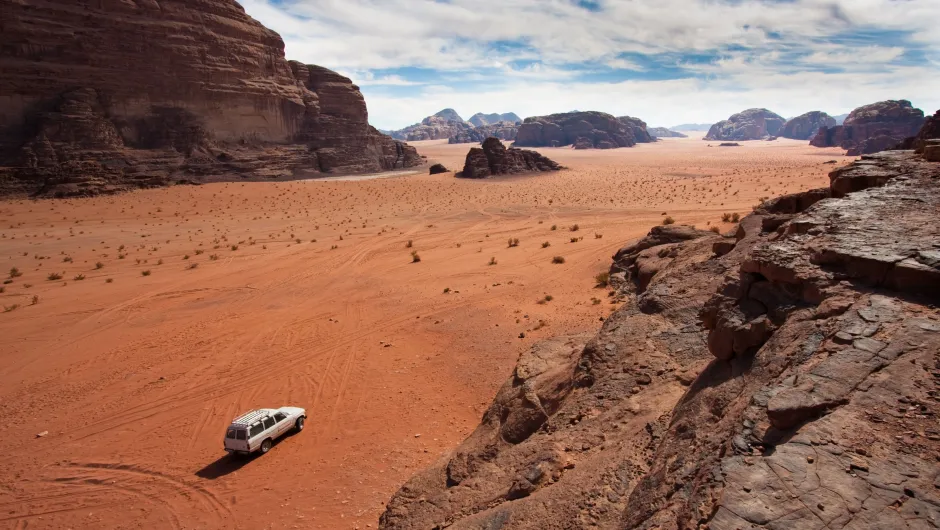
x: 228, y: 463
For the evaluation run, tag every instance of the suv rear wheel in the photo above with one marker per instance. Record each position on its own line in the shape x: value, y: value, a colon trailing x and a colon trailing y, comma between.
x: 300, y: 424
x: 265, y: 446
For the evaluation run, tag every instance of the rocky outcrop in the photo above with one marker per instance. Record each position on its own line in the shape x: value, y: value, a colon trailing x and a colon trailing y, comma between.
x: 437, y: 169
x: 494, y: 159
x: 503, y: 130
x: 929, y: 131
x: 805, y: 126
x: 583, y: 130
x: 872, y: 128
x: 662, y: 132
x: 479, y: 119
x: 107, y: 96
x: 440, y: 126
x: 786, y: 376
x: 751, y: 124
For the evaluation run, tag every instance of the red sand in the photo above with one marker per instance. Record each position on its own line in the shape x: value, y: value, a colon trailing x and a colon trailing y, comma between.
x: 135, y: 379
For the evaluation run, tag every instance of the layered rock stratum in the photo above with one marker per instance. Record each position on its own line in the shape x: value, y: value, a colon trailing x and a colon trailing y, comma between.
x: 493, y: 158
x: 106, y: 96
x: 751, y: 124
x: 583, y: 130
x: 872, y: 128
x: 806, y: 126
x: 662, y: 132
x: 782, y: 376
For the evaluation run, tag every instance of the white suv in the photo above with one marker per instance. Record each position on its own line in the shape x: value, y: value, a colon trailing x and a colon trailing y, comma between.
x: 258, y: 429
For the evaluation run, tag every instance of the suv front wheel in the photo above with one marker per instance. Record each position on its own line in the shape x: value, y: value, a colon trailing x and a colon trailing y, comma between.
x: 265, y: 446
x: 300, y: 424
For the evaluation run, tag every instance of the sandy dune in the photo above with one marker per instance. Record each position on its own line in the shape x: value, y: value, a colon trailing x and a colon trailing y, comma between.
x: 216, y: 299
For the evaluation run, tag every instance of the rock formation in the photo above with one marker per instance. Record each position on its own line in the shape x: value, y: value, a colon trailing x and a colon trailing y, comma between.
x: 479, y: 119
x: 437, y: 168
x: 444, y: 124
x: 872, y: 128
x: 583, y: 130
x: 503, y: 130
x: 784, y: 376
x: 494, y: 159
x: 105, y: 96
x: 805, y: 126
x: 751, y: 124
x: 662, y: 132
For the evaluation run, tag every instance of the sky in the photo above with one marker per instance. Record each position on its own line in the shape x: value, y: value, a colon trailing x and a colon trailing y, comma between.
x: 667, y: 62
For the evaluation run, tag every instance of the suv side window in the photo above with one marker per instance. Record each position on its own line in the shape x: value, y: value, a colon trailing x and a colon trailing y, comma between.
x: 240, y: 434
x: 268, y: 423
x: 256, y: 429
x: 279, y: 417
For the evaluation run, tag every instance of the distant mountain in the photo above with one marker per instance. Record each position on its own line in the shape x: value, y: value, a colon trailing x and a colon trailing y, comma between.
x: 479, y: 119
x: 663, y: 132
x: 449, y: 115
x: 691, y: 127
x: 840, y: 118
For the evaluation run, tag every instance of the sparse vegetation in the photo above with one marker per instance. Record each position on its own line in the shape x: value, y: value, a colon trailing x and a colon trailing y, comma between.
x: 415, y: 258
x: 234, y: 247
x: 574, y: 228
x: 513, y: 242
x: 546, y: 244
x: 602, y: 279
x: 598, y: 236
x: 34, y: 300
x: 109, y: 280
x: 79, y: 277
x: 67, y: 259
x: 726, y: 218
x: 8, y: 308
x: 668, y: 220
x: 714, y: 229
x: 99, y: 265
x: 192, y: 266
x: 548, y: 298
x: 145, y: 272
x: 735, y: 217
x: 15, y: 273
x: 409, y: 244
x: 554, y: 227
x: 492, y: 261
x: 558, y: 259
x: 446, y: 290
x: 53, y: 276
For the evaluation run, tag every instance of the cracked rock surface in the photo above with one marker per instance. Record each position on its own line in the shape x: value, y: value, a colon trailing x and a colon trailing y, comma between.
x: 783, y: 377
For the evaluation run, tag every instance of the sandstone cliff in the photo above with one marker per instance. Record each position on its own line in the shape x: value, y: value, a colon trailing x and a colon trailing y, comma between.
x: 751, y: 124
x: 784, y: 376
x: 805, y: 126
x: 107, y: 95
x: 492, y: 158
x: 479, y: 119
x: 872, y: 128
x: 583, y: 130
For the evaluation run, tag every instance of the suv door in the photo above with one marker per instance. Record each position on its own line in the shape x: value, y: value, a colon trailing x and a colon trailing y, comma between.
x: 255, y: 436
x: 270, y: 428
x: 282, y: 424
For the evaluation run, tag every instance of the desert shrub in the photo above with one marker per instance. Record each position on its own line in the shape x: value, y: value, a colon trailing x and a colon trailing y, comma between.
x: 8, y: 308
x: 415, y: 258
x: 53, y: 276
x: 668, y: 220
x: 79, y: 277
x: 574, y: 228
x: 99, y: 265
x: 67, y: 259
x: 145, y: 273
x: 409, y: 244
x: 109, y: 280
x: 35, y: 300
x: 513, y: 242
x: 213, y: 257
x: 602, y: 279
x: 735, y: 217
x: 492, y: 261
x: 598, y: 236
x: 714, y: 229
x: 15, y: 273
x: 234, y: 247
x: 446, y: 290
x: 546, y: 244
x: 554, y: 227
x: 558, y: 259
x: 726, y: 218
x: 575, y: 239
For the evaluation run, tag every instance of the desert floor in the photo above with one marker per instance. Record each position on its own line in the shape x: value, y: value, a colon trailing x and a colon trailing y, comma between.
x: 179, y: 308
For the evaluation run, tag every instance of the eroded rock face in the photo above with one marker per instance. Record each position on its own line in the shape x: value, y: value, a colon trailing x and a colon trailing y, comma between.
x: 479, y: 119
x: 929, y: 131
x: 494, y: 159
x: 789, y: 381
x: 99, y: 97
x: 806, y: 126
x: 751, y: 124
x: 503, y: 130
x: 583, y: 130
x: 872, y: 128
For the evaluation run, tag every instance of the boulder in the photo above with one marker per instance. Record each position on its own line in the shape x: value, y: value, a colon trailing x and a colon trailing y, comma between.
x: 751, y: 124
x: 492, y: 158
x: 872, y: 128
x: 437, y: 168
x: 584, y: 130
x: 805, y: 126
x: 97, y: 99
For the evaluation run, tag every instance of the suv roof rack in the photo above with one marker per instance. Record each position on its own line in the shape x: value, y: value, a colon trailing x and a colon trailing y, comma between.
x: 251, y: 417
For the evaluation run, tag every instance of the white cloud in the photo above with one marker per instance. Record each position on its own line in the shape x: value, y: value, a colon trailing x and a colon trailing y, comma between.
x: 770, y: 54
